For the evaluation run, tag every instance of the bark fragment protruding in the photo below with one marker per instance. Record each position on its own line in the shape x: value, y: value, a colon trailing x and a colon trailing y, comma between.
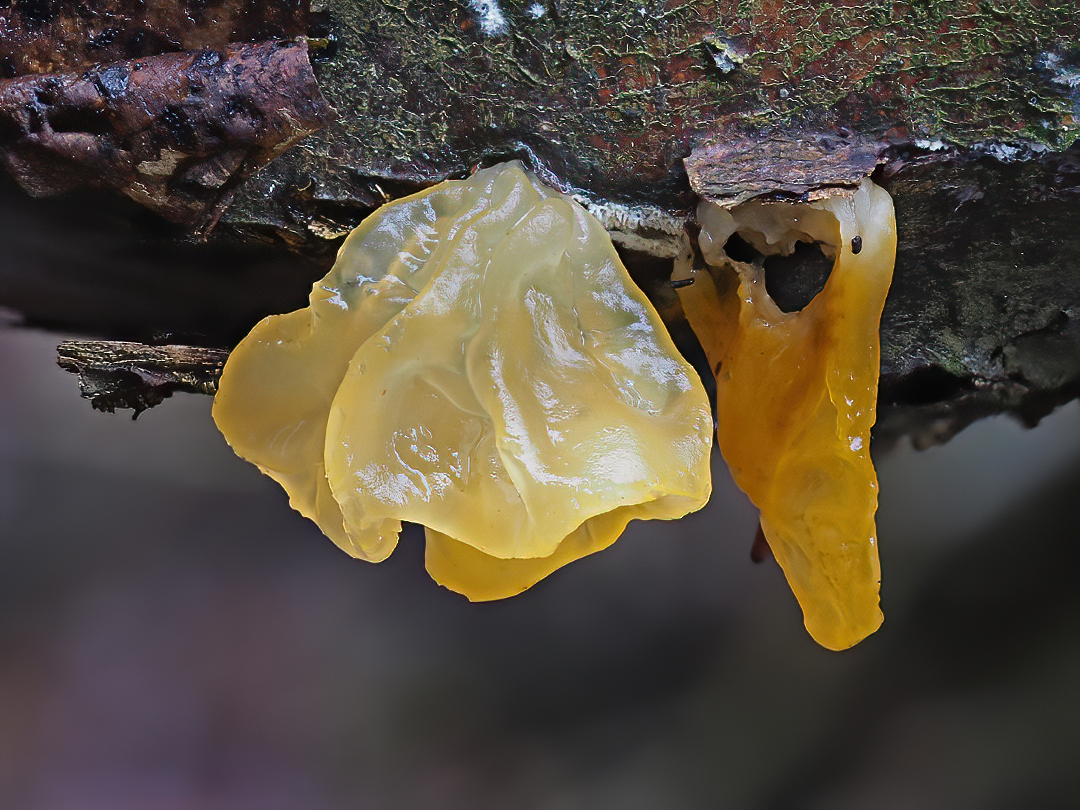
x: 176, y: 132
x: 118, y: 374
x: 738, y: 168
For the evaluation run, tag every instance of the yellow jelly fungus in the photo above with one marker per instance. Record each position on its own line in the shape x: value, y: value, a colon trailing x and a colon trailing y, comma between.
x: 796, y: 392
x: 477, y: 361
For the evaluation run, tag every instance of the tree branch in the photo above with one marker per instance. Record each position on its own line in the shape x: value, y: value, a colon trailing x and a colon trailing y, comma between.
x: 117, y: 374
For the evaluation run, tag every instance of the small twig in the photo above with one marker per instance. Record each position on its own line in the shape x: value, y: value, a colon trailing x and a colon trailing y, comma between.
x: 117, y: 374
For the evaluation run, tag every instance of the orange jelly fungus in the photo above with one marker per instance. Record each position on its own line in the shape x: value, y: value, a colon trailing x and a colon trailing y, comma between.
x: 796, y: 392
x: 477, y: 361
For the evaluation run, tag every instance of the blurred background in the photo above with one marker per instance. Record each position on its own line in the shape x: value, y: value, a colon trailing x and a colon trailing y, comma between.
x: 173, y: 636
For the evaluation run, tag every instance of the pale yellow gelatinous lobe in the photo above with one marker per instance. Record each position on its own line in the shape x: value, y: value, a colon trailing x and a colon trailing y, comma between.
x: 528, y: 389
x: 796, y: 393
x: 275, y: 392
x: 477, y: 361
x: 463, y: 568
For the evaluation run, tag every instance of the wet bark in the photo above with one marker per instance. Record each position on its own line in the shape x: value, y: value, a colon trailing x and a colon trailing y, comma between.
x: 176, y: 132
x: 965, y: 112
x: 114, y: 374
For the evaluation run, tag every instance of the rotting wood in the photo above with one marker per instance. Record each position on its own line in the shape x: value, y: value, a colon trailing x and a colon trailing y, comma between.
x: 742, y: 167
x: 59, y: 36
x: 176, y: 132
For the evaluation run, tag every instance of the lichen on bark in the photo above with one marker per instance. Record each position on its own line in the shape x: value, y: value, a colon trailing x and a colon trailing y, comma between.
x: 610, y: 96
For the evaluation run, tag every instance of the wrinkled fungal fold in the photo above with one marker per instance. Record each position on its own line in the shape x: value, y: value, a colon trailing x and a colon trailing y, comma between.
x: 477, y: 361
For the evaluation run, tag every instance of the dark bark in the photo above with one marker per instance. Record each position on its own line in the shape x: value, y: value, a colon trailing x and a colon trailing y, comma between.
x: 68, y: 35
x: 742, y: 167
x: 965, y: 109
x: 176, y: 132
x: 608, y: 98
x: 132, y: 375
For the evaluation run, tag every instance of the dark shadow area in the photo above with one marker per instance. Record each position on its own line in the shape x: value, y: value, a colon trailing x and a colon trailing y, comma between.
x: 793, y: 281
x: 653, y: 276
x: 739, y: 250
x: 100, y: 265
x: 922, y: 386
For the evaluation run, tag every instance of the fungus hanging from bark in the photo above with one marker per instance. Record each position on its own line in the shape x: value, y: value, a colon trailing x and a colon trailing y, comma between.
x: 796, y: 392
x: 477, y: 361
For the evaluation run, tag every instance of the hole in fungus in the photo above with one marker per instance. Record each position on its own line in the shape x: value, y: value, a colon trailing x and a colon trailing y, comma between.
x: 793, y: 281
x: 477, y: 361
x: 739, y: 250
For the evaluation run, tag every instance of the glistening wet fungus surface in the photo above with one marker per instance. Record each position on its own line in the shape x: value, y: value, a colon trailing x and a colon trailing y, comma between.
x: 479, y: 362
x: 797, y: 391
